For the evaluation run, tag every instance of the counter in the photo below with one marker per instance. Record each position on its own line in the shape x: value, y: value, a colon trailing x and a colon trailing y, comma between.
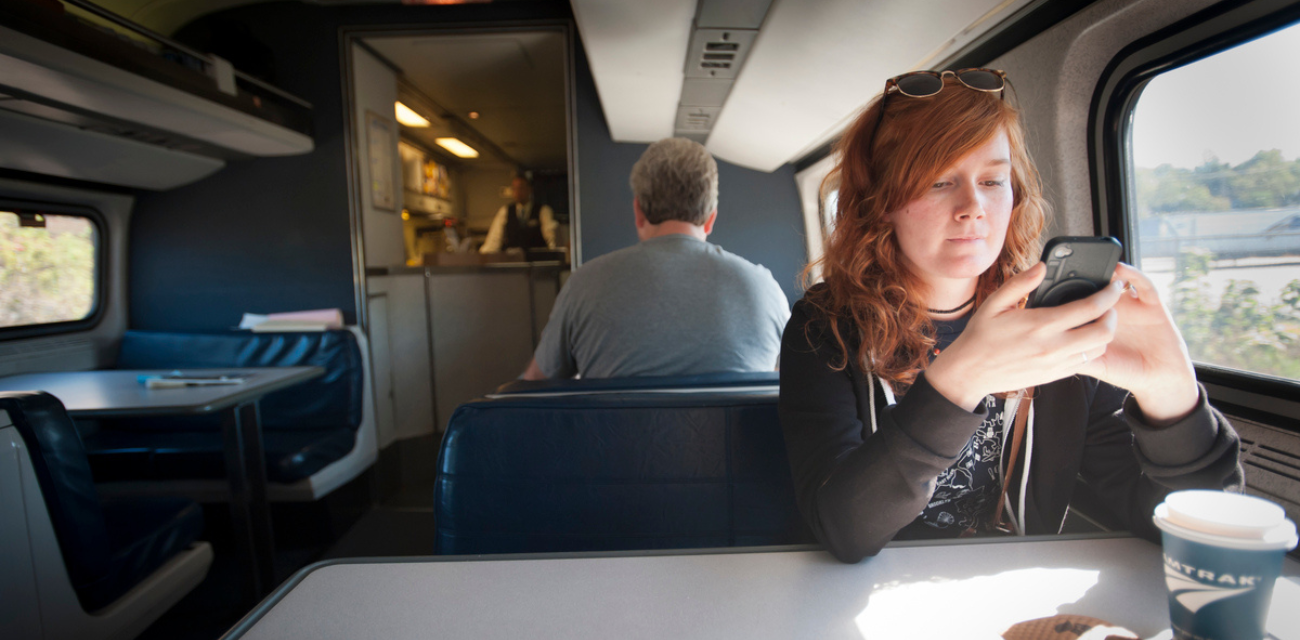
x: 480, y: 322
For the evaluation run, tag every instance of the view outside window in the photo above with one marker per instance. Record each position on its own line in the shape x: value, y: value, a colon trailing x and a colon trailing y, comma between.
x: 1215, y: 149
x: 47, y: 268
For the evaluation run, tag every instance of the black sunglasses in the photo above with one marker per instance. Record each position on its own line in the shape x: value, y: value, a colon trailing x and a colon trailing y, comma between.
x: 923, y: 84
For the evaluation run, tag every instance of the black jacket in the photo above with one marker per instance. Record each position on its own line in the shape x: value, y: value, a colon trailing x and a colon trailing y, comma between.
x: 857, y: 489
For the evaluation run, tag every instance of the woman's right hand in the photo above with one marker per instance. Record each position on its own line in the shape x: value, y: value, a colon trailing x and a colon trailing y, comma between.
x: 1006, y: 347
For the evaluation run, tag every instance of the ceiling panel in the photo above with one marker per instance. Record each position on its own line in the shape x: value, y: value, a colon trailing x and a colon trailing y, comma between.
x: 637, y: 52
x: 816, y: 64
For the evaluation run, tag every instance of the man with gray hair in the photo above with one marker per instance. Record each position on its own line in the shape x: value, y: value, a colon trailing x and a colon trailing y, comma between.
x: 673, y: 304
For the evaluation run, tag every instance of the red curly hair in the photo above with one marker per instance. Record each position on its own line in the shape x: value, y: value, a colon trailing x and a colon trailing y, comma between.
x: 869, y: 298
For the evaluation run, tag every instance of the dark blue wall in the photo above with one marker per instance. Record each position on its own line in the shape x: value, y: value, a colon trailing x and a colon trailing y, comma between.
x: 260, y: 235
x: 273, y: 234
x: 758, y: 213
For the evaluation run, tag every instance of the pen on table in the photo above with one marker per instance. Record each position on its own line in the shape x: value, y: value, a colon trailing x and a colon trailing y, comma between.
x: 170, y: 382
x: 161, y: 383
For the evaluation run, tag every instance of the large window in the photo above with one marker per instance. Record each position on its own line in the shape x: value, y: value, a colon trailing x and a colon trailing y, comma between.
x: 48, y: 268
x: 1215, y: 203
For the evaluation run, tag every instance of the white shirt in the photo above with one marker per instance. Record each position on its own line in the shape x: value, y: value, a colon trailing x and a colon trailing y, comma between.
x: 497, y: 231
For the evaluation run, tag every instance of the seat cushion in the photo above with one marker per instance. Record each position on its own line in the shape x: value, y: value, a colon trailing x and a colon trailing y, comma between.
x: 120, y: 454
x: 143, y: 535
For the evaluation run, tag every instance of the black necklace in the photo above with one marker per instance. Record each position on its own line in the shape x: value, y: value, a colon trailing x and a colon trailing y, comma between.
x: 954, y: 309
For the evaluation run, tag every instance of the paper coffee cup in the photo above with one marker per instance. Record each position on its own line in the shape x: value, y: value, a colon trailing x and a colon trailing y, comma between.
x: 1222, y: 553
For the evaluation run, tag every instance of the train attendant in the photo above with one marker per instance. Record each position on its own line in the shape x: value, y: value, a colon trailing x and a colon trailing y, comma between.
x: 920, y: 398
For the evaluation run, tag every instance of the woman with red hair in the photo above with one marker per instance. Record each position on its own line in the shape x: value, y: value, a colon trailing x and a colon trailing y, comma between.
x: 920, y: 398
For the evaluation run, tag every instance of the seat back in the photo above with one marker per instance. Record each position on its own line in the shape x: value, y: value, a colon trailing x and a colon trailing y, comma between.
x: 64, y: 475
x: 328, y: 402
x: 615, y: 472
x: 724, y: 381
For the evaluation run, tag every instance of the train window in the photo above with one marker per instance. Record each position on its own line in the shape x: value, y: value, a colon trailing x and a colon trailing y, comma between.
x: 819, y: 200
x: 1214, y: 203
x: 48, y: 268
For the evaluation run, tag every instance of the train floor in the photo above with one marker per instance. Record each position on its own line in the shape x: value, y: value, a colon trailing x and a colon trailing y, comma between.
x: 401, y: 525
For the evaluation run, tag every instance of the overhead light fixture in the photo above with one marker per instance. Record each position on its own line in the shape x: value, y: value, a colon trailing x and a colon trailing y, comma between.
x: 457, y: 148
x: 473, y: 115
x: 409, y: 117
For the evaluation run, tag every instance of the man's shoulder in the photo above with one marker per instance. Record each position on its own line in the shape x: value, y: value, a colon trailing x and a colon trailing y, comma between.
x: 612, y: 260
x: 680, y: 254
x: 596, y: 271
x: 739, y: 261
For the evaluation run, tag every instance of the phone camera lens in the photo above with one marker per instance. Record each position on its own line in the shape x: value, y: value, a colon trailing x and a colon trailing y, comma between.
x: 1062, y: 252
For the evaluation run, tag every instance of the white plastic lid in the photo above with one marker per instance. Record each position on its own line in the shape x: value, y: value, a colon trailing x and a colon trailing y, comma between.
x: 1226, y: 519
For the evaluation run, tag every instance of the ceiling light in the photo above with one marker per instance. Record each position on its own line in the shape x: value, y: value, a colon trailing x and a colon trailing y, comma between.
x: 458, y: 148
x: 473, y: 115
x: 409, y: 117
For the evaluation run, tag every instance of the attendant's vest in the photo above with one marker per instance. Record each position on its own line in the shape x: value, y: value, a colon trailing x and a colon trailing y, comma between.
x: 526, y: 234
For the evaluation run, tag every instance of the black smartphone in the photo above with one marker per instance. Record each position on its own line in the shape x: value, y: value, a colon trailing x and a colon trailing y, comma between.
x: 1077, y: 267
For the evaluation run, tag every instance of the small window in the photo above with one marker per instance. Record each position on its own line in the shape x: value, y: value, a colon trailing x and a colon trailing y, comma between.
x: 1215, y: 203
x: 48, y: 268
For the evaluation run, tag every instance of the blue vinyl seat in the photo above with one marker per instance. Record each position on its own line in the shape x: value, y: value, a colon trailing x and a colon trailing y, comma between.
x: 615, y: 471
x: 756, y: 381
x: 130, y: 559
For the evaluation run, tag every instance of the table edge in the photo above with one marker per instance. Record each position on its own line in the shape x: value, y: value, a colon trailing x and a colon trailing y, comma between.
x: 251, y: 393
x: 257, y: 613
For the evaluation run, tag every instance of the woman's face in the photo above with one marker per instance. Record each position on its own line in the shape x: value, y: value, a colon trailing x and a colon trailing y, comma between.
x: 955, y: 230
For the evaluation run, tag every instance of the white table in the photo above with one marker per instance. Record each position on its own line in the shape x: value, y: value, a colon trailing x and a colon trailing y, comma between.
x: 966, y: 589
x: 119, y: 394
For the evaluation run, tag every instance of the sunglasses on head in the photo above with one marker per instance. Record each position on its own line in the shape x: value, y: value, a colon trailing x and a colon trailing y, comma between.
x: 923, y: 84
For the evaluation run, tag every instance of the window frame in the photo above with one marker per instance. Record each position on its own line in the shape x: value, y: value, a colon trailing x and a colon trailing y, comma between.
x: 99, y: 301
x: 1203, y: 34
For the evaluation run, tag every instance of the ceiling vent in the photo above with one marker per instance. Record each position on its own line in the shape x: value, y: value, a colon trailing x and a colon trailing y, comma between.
x: 718, y: 53
x: 722, y: 36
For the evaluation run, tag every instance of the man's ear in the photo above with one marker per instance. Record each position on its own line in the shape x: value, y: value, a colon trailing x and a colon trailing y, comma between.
x: 708, y: 224
x: 641, y: 222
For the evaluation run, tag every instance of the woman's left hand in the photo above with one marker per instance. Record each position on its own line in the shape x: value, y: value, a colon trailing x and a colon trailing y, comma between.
x: 1148, y: 356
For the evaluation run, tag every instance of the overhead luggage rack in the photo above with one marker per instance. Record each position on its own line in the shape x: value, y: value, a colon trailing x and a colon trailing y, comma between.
x: 95, y: 72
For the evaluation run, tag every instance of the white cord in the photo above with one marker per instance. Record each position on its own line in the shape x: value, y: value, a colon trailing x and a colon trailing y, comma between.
x: 871, y: 395
x: 1024, y: 478
x: 1009, y: 408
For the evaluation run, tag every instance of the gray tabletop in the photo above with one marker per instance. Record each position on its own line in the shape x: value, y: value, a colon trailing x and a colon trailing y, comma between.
x: 110, y: 393
x: 949, y: 590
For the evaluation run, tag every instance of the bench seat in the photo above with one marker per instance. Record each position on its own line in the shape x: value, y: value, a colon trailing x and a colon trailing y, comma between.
x: 615, y: 471
x: 98, y: 568
x: 306, y: 429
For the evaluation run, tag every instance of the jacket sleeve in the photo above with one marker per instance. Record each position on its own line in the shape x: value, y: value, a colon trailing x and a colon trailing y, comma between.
x: 855, y: 488
x: 1132, y: 466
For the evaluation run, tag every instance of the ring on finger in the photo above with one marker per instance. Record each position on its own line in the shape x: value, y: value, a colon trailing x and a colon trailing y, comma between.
x: 1085, y: 357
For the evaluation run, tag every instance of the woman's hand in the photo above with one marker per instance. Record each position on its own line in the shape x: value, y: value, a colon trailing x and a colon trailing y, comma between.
x: 1148, y: 356
x: 1006, y: 347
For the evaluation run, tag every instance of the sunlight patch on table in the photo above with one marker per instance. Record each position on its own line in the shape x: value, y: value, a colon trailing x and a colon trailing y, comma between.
x: 979, y: 607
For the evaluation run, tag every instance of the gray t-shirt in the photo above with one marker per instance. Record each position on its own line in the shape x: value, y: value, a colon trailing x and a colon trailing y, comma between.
x: 671, y: 305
